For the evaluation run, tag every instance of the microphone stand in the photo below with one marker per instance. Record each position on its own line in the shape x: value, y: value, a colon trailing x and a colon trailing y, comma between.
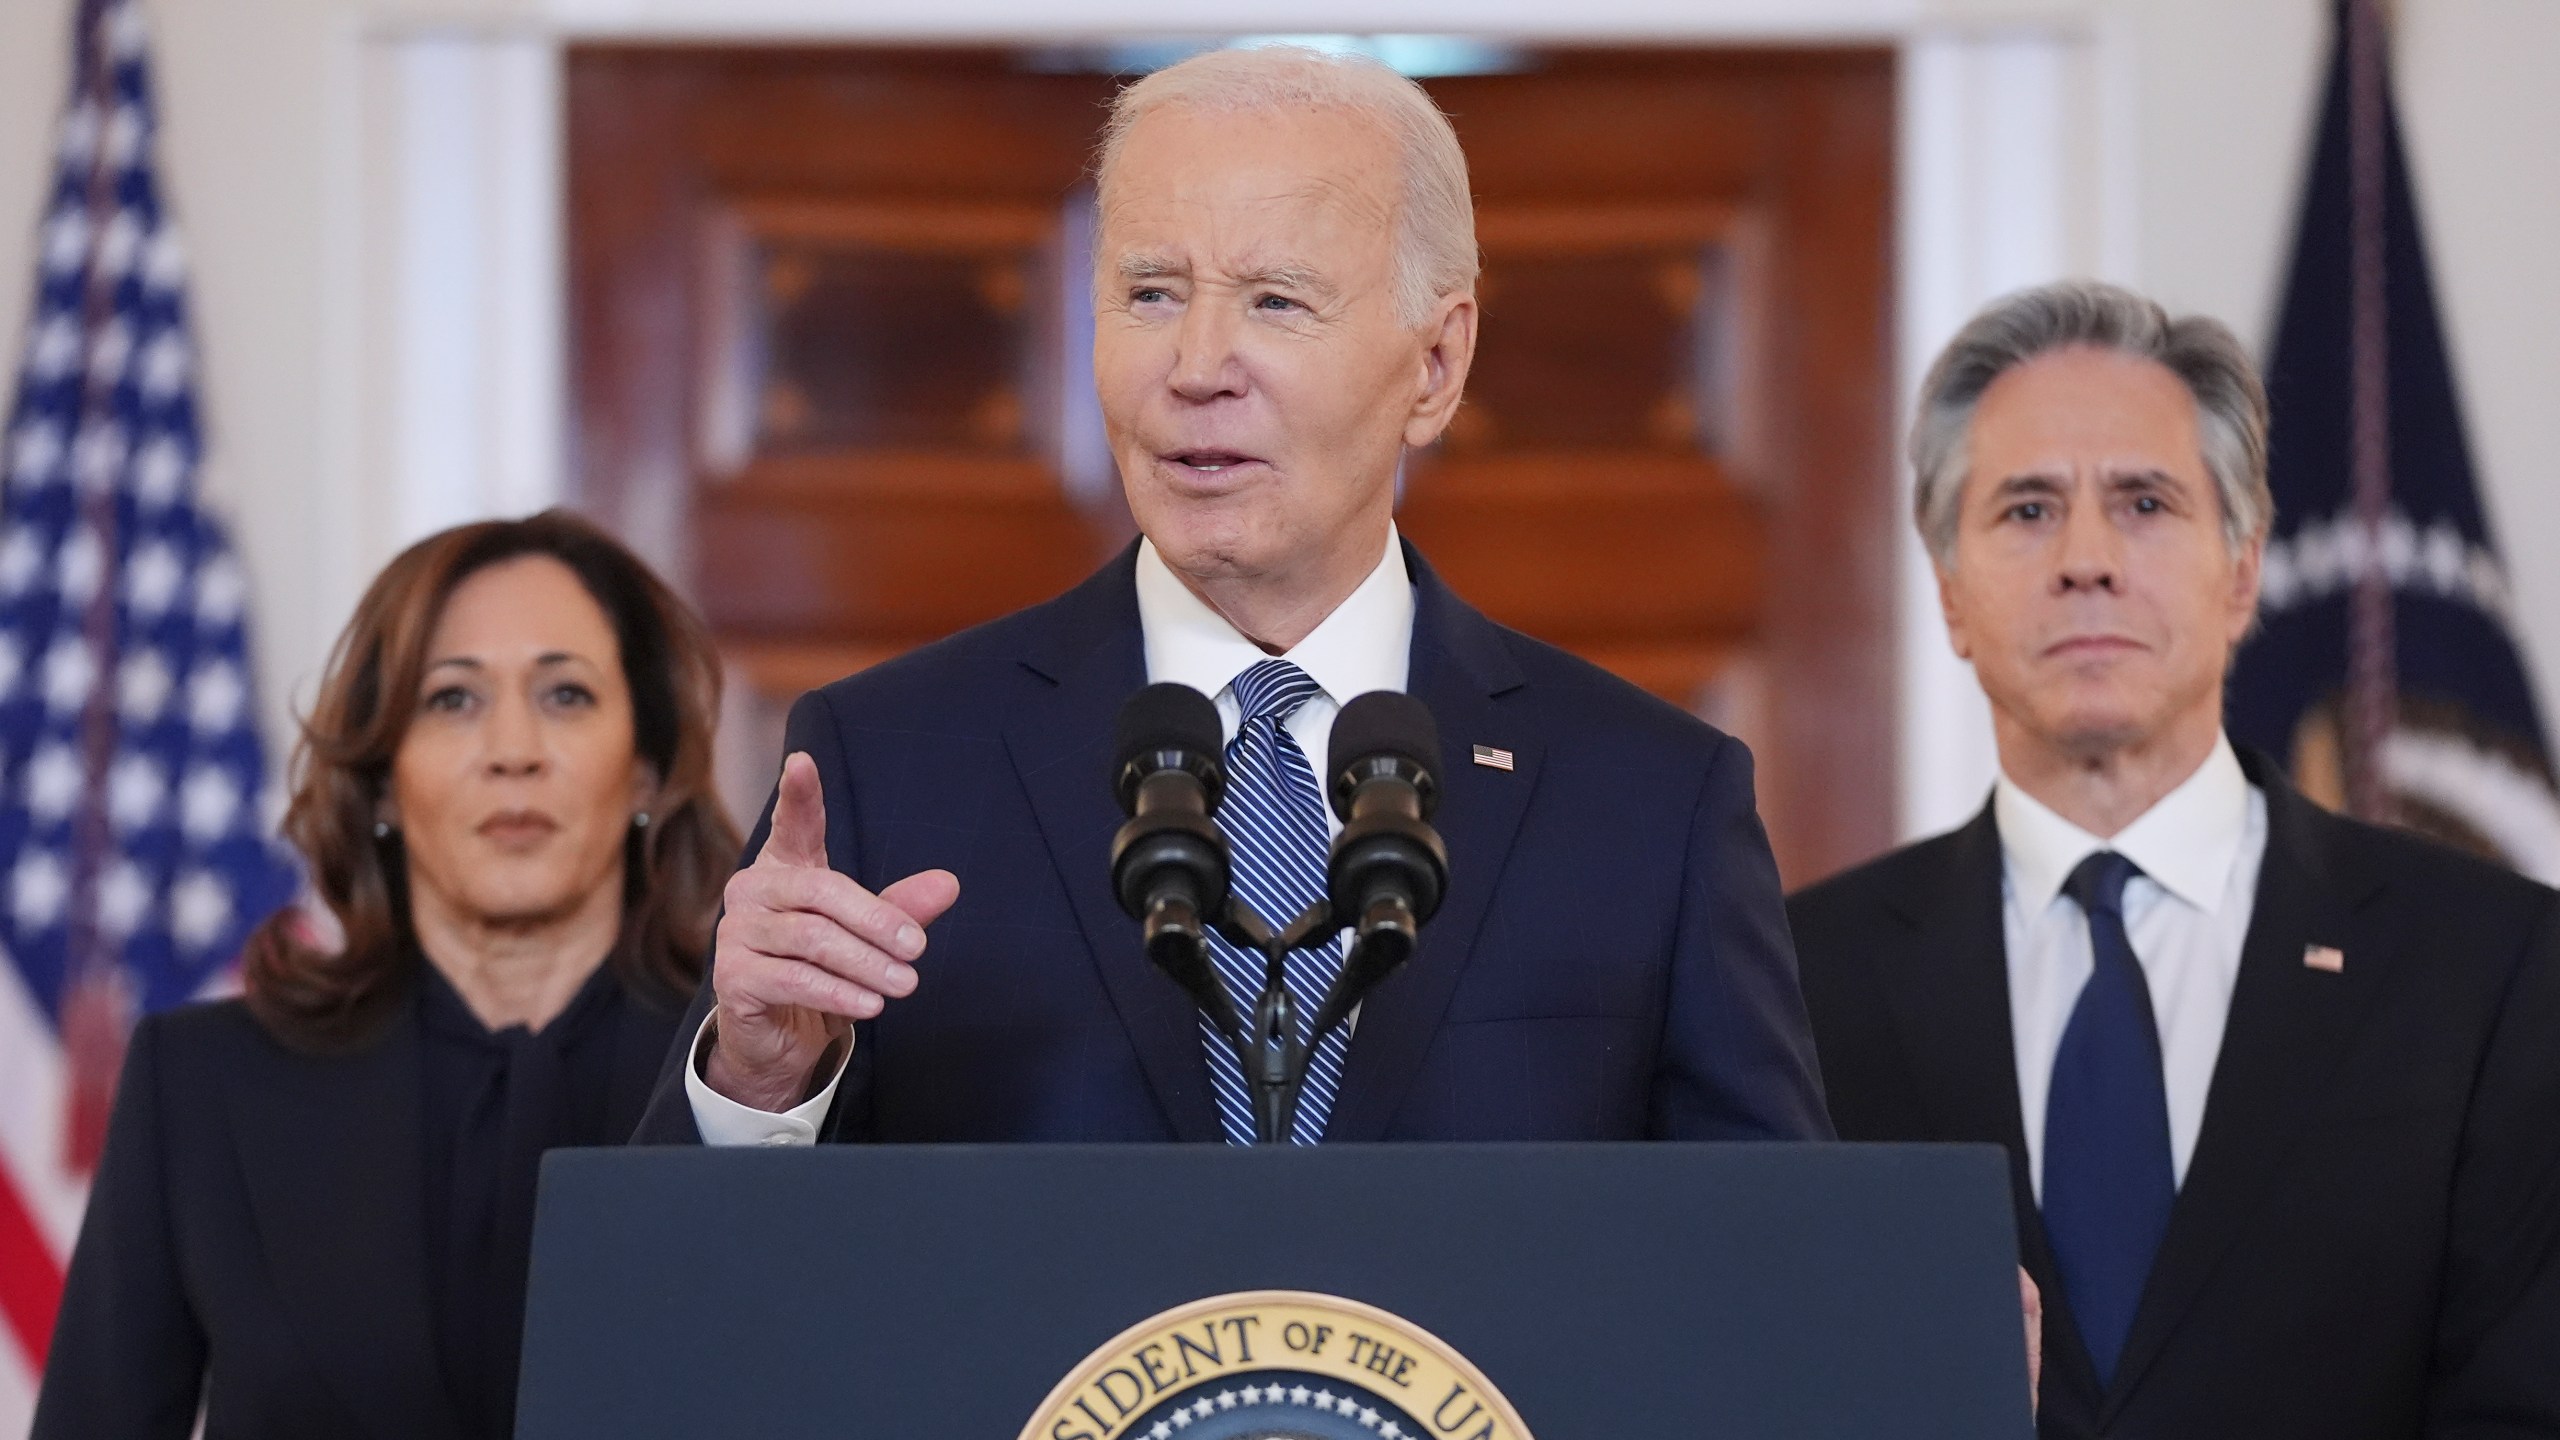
x: 1268, y: 1051
x: 1274, y: 1060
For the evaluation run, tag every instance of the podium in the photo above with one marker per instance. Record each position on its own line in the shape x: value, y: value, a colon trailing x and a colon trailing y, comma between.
x: 1381, y: 1292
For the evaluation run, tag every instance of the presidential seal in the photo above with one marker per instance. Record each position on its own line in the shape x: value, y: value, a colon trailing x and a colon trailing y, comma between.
x: 1275, y: 1365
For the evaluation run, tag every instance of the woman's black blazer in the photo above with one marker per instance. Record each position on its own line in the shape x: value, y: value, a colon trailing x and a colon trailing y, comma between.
x: 256, y: 1239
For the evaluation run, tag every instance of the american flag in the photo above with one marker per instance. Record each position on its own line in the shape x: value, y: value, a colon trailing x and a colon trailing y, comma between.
x: 134, y: 856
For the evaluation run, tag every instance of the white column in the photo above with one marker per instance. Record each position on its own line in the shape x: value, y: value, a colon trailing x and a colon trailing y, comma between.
x: 2012, y: 174
x: 465, y: 257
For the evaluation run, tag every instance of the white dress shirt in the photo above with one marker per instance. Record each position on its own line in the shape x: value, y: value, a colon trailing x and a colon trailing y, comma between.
x: 1365, y: 644
x: 2187, y: 914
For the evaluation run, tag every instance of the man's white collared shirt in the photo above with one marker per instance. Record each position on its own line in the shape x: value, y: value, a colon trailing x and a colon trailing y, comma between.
x: 2187, y: 914
x: 1365, y: 644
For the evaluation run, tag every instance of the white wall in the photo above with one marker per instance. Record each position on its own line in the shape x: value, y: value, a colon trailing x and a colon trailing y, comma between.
x: 2207, y: 106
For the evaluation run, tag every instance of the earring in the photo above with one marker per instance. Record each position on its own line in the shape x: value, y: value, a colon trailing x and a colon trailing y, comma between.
x: 640, y: 821
x: 381, y: 829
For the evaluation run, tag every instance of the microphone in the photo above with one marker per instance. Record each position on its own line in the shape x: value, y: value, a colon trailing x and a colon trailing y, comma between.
x: 1169, y: 863
x: 1388, y: 868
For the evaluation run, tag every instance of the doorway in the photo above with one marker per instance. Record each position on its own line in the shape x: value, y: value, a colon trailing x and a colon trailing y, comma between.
x: 828, y: 317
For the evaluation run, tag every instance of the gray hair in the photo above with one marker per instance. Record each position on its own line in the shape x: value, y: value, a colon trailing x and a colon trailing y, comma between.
x: 2231, y: 404
x: 1436, y: 221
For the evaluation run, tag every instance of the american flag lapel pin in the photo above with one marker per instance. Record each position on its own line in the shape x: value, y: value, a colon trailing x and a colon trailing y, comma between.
x: 1493, y: 759
x: 2324, y: 957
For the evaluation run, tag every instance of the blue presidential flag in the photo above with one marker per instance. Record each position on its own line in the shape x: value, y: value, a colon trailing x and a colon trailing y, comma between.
x: 134, y: 856
x: 2385, y: 672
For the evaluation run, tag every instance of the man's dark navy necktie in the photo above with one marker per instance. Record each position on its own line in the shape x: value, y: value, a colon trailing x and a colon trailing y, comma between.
x: 1274, y: 821
x: 2109, y: 1177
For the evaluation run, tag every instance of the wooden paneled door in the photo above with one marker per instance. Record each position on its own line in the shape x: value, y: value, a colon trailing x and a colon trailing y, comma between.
x: 830, y: 359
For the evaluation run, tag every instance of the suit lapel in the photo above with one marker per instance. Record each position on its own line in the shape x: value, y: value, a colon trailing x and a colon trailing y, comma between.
x: 1093, y: 657
x: 1948, y: 991
x: 331, y: 1149
x: 1460, y: 670
x: 2288, y: 1028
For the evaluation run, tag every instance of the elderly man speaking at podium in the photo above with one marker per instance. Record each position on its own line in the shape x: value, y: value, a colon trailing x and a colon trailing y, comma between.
x: 1284, y: 303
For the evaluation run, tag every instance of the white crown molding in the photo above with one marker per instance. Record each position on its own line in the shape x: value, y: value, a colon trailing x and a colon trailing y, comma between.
x: 1010, y: 21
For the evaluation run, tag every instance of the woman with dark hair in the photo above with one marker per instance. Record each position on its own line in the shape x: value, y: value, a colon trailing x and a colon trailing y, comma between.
x: 316, y: 1203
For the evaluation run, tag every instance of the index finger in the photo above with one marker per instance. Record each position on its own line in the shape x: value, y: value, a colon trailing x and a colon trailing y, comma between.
x: 797, y: 834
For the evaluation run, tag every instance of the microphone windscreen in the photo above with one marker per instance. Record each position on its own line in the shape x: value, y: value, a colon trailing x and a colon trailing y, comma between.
x: 1168, y: 717
x: 1386, y: 722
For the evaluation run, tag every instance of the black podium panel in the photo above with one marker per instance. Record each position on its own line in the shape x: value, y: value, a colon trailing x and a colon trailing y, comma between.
x: 1609, y: 1292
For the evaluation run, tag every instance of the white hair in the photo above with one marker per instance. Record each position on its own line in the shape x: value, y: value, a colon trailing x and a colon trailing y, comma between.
x: 1436, y: 221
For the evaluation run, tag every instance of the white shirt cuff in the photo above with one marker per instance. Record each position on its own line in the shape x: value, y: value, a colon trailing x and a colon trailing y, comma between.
x: 723, y: 1121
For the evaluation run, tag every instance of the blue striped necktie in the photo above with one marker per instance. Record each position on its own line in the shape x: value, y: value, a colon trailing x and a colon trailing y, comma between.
x: 2109, y: 1175
x: 1273, y: 817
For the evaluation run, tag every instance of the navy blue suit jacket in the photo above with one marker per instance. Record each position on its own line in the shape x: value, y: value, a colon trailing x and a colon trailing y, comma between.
x: 1611, y: 963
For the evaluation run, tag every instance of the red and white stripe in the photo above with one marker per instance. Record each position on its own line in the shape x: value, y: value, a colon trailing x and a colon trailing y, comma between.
x: 40, y: 1198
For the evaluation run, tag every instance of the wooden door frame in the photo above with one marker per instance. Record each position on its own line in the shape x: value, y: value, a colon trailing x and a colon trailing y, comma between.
x: 1792, y: 175
x: 2013, y: 162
